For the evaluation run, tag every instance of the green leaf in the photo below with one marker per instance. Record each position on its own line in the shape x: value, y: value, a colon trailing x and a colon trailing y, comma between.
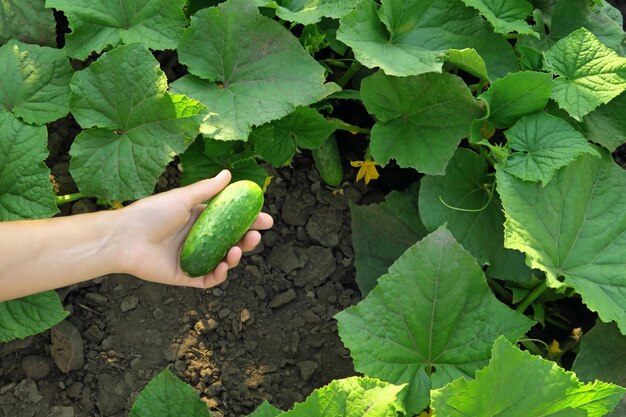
x: 432, y: 316
x: 309, y: 11
x: 265, y: 410
x: 139, y: 126
x: 167, y: 396
x: 574, y: 229
x: 599, y: 19
x: 505, y: 16
x: 467, y: 60
x: 350, y: 397
x: 27, y: 21
x: 35, y: 82
x: 517, y: 384
x: 603, y: 356
x: 462, y: 199
x: 607, y: 125
x: 25, y: 189
x: 276, y: 142
x: 30, y: 315
x: 545, y: 143
x: 101, y: 24
x: 381, y: 233
x: 589, y: 73
x: 420, y: 119
x: 200, y: 162
x: 411, y: 37
x: 517, y: 94
x: 246, y: 68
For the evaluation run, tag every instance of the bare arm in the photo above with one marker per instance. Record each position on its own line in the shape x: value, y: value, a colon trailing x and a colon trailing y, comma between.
x: 143, y: 239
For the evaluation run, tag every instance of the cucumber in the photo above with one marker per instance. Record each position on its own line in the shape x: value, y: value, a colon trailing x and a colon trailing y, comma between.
x: 220, y: 226
x: 328, y: 162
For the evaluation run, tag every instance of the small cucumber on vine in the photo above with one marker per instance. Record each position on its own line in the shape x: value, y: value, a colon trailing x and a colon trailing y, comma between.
x: 220, y: 226
x: 328, y: 162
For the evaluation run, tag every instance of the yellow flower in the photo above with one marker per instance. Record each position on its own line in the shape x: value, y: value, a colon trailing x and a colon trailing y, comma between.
x: 555, y: 347
x: 367, y: 170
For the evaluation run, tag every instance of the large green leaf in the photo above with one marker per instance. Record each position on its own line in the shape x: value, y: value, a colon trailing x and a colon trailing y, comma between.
x: 35, y: 82
x: 247, y: 69
x: 603, y: 356
x: 100, y: 24
x: 265, y: 410
x: 420, y: 119
x: 139, y: 126
x: 25, y: 189
x: 167, y: 396
x: 517, y: 384
x: 30, y: 315
x: 607, y: 125
x: 515, y: 95
x: 505, y: 16
x: 431, y: 319
x: 603, y: 20
x: 309, y: 11
x: 410, y: 37
x: 545, y: 143
x: 574, y: 229
x: 276, y: 142
x: 27, y: 21
x: 589, y: 73
x: 206, y: 158
x: 350, y: 397
x: 465, y: 200
x: 381, y: 233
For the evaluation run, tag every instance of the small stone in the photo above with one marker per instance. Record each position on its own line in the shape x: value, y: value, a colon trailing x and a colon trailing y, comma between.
x: 205, y: 326
x: 283, y: 298
x: 245, y: 315
x: 6, y: 388
x: 94, y: 334
x: 286, y: 258
x: 307, y: 369
x: 27, y: 391
x: 67, y: 347
x: 35, y: 367
x: 63, y: 411
x: 96, y: 299
x: 259, y: 290
x: 158, y: 314
x: 223, y: 313
x: 75, y: 390
x: 129, y: 303
x: 270, y: 238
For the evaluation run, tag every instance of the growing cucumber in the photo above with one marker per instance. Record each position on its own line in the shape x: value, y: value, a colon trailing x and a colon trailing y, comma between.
x: 220, y: 226
x: 328, y: 162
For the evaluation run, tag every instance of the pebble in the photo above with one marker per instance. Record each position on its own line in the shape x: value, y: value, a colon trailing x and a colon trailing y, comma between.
x: 129, y: 303
x: 158, y: 314
x: 270, y: 238
x: 35, y: 367
x: 307, y: 369
x: 67, y: 347
x: 245, y: 315
x: 63, y: 411
x: 283, y: 298
x: 96, y: 299
x: 323, y: 227
x: 27, y: 391
x: 286, y: 258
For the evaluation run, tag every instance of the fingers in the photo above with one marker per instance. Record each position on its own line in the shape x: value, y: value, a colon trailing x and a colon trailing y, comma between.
x: 263, y: 222
x: 201, y: 191
x: 219, y: 274
x: 249, y: 241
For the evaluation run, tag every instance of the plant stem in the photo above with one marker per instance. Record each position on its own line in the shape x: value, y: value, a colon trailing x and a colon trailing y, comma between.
x: 500, y: 290
x: 347, y: 76
x: 68, y: 198
x: 341, y: 125
x: 532, y: 296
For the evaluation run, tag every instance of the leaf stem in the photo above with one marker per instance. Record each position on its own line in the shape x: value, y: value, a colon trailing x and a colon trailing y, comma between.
x: 532, y: 347
x: 532, y: 296
x: 347, y: 76
x: 341, y: 125
x: 68, y: 198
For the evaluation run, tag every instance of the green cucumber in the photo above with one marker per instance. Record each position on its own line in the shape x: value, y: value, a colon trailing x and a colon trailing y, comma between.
x: 328, y: 162
x: 220, y: 226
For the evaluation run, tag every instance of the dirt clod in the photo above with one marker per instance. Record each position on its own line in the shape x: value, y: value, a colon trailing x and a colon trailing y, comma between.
x: 67, y: 347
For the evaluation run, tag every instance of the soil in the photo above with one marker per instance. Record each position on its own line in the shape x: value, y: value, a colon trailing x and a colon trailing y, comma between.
x: 267, y: 333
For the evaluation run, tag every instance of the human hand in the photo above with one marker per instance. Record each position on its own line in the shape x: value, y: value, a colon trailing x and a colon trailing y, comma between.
x: 155, y: 227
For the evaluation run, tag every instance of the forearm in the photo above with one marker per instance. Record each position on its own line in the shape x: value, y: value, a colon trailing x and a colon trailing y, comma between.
x: 45, y: 254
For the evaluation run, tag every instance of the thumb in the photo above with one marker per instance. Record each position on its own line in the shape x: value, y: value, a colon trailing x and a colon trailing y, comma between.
x: 201, y: 191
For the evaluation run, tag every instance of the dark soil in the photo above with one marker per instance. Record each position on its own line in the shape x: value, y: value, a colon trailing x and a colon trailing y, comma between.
x: 265, y: 334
